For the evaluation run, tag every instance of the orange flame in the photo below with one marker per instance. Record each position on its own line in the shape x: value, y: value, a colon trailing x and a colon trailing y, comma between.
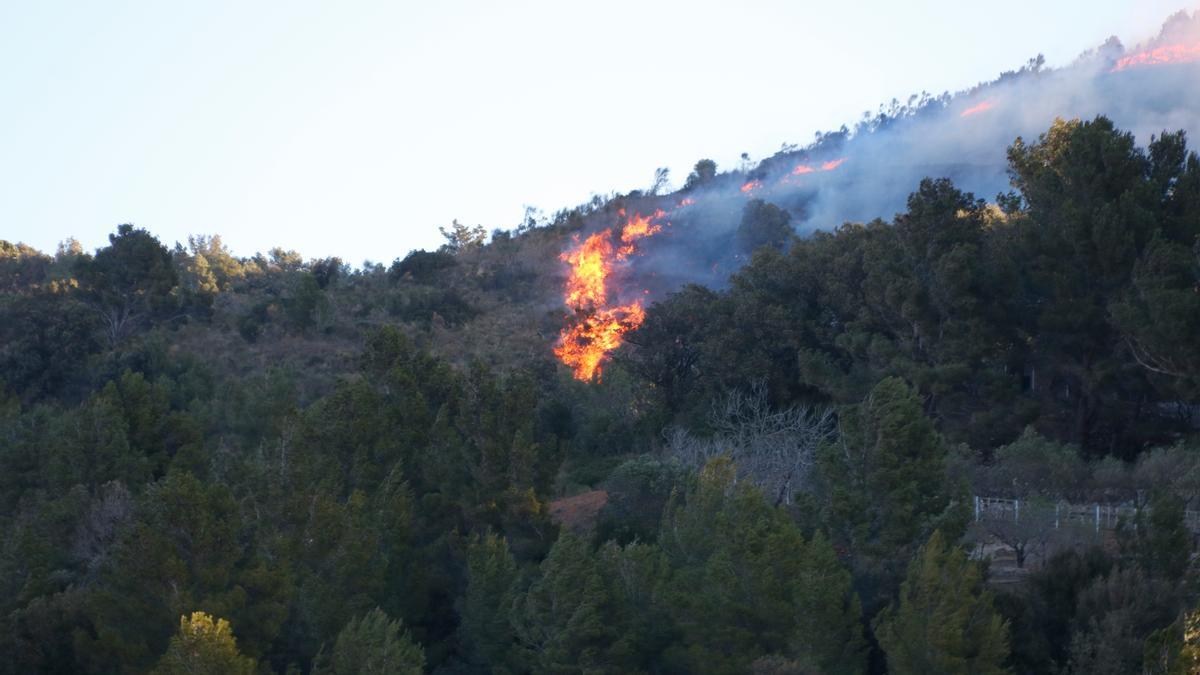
x: 639, y: 227
x: 976, y: 109
x: 686, y: 201
x: 585, y: 345
x: 751, y: 186
x: 599, y: 328
x: 1181, y: 53
x: 591, y: 263
x: 805, y: 169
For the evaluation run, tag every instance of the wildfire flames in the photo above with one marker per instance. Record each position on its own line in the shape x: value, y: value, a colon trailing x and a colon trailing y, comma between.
x: 976, y: 109
x: 599, y: 326
x: 805, y: 169
x: 1182, y: 53
x: 751, y: 186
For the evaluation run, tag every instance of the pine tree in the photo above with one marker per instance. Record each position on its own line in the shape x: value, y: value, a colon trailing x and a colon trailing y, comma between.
x: 563, y: 622
x: 638, y: 579
x: 485, y: 631
x: 886, y: 485
x: 1091, y: 212
x: 944, y: 621
x: 180, y: 551
x: 828, y: 615
x: 745, y: 583
x: 372, y: 644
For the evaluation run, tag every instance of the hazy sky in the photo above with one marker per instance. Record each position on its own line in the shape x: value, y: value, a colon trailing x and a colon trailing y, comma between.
x: 355, y: 128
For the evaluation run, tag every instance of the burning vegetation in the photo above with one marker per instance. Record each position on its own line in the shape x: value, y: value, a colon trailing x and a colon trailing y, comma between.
x: 1177, y: 53
x: 806, y: 169
x: 600, y: 321
x: 1178, y: 43
x: 876, y: 162
x: 978, y: 108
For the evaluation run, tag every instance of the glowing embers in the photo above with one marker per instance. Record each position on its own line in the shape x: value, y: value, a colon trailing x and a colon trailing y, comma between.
x: 978, y: 108
x: 1180, y: 53
x: 600, y: 322
x: 751, y: 186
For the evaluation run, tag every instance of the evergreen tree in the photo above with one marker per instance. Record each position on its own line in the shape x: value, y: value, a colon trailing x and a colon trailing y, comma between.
x: 225, y: 268
x: 828, y: 631
x: 1115, y: 616
x: 1042, y: 613
x: 763, y: 224
x: 637, y: 577
x: 1175, y: 650
x: 203, y: 647
x: 128, y: 281
x: 485, y: 631
x: 745, y: 583
x: 563, y: 622
x: 372, y: 644
x: 944, y: 621
x: 887, y: 487
x: 181, y: 550
x: 1160, y: 540
x: 1160, y: 312
x: 703, y: 173
x: 461, y: 238
x: 1092, y: 210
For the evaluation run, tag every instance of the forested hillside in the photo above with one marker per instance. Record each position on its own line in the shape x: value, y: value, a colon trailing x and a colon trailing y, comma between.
x: 271, y: 464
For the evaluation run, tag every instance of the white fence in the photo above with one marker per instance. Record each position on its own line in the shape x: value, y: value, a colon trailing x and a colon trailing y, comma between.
x: 1098, y: 516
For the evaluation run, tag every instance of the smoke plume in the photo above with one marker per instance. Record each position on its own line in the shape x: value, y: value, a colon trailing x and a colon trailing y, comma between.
x: 867, y: 172
x: 864, y: 173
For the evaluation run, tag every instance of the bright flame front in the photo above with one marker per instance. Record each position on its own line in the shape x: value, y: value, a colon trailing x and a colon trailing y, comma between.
x: 979, y: 108
x: 599, y: 327
x: 1180, y: 53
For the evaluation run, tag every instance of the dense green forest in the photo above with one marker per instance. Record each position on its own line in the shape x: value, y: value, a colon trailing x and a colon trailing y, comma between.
x: 213, y: 464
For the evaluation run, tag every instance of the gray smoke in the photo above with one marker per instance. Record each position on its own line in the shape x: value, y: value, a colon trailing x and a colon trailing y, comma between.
x: 886, y: 157
x: 963, y: 137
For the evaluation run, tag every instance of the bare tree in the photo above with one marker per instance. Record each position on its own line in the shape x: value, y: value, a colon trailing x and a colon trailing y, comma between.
x: 773, y: 449
x: 1033, y: 527
x: 110, y: 508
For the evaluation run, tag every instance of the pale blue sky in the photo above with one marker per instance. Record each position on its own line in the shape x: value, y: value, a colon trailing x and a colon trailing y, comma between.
x: 355, y: 128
